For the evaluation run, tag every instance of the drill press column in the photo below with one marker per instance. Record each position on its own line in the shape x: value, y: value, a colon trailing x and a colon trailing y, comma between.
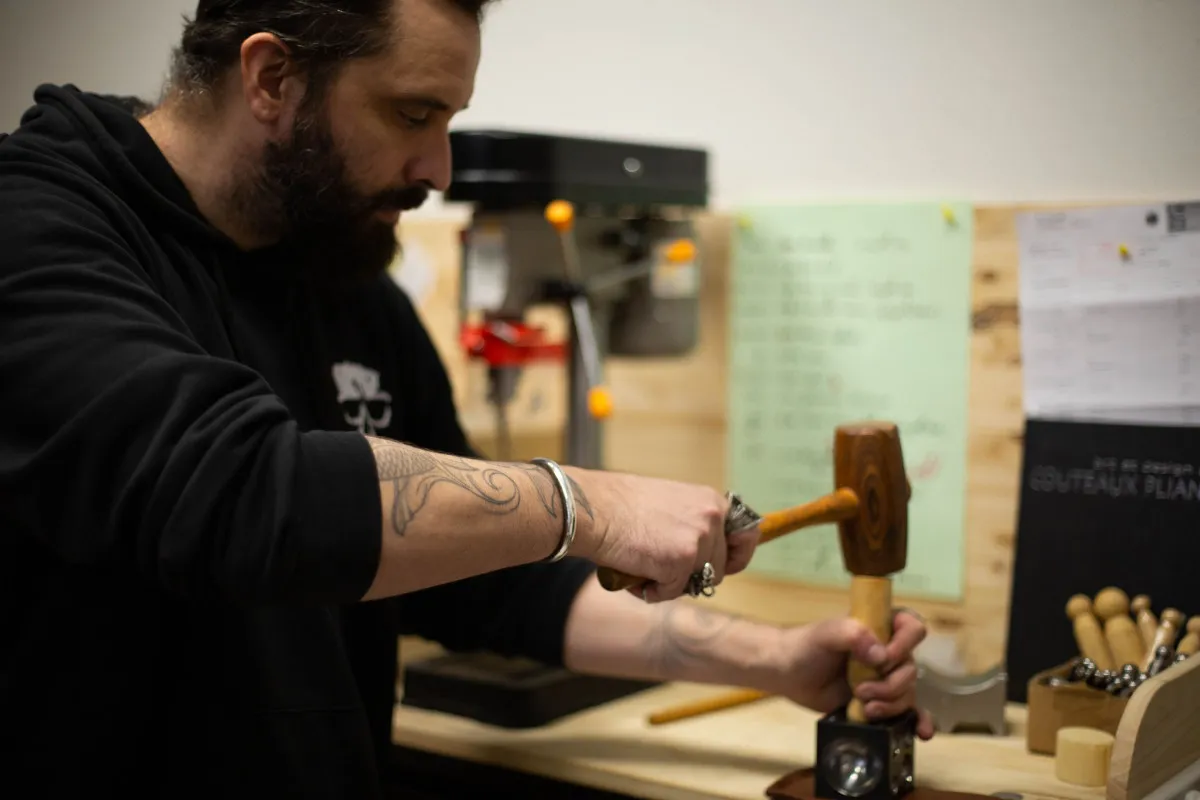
x: 585, y: 441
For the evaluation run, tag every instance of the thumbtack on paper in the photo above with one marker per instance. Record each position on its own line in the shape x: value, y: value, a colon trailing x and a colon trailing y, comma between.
x: 1124, y: 251
x: 948, y: 215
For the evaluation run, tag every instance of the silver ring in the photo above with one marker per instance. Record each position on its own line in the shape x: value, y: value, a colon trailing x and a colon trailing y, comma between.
x: 644, y: 587
x: 703, y: 582
x: 740, y: 516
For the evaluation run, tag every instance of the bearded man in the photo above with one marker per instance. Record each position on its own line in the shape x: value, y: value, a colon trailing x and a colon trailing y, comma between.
x: 210, y: 535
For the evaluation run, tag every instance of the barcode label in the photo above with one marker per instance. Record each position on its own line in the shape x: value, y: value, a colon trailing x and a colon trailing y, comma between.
x: 1183, y: 217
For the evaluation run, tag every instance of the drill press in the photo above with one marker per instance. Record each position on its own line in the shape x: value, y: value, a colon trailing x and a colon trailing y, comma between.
x: 602, y: 229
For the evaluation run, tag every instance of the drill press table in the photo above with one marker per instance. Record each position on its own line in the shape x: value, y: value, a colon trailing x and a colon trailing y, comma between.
x: 729, y: 755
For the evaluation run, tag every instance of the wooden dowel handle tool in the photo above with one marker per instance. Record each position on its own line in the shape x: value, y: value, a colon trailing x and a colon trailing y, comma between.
x: 1147, y: 623
x: 1089, y: 637
x: 1169, y: 624
x: 1190, y: 644
x: 739, y: 697
x: 1124, y: 641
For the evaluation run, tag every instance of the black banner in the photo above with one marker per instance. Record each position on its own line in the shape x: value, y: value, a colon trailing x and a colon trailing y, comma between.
x: 1101, y: 505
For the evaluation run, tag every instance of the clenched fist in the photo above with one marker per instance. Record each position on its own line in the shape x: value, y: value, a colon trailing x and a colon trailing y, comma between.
x: 664, y: 531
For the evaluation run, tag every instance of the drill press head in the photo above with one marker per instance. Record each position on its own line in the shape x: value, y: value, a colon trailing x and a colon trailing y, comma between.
x: 869, y: 461
x: 631, y: 203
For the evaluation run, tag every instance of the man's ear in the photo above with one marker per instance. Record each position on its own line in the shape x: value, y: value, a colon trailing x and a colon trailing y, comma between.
x: 271, y: 83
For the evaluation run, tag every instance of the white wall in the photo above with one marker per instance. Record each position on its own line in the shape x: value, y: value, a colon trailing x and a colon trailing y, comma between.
x: 985, y: 100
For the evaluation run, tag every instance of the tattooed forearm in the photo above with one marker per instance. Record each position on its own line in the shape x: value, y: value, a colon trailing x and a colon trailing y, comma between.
x: 414, y: 473
x: 685, y: 636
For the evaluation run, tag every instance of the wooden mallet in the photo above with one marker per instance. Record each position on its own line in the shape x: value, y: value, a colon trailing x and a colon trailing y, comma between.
x: 868, y: 461
x: 846, y: 505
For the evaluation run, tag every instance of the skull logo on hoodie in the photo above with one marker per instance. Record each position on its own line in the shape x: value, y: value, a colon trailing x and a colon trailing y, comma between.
x: 364, y: 405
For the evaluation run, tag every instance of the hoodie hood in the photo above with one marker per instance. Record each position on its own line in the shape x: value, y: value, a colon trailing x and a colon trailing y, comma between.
x: 106, y: 149
x: 99, y: 136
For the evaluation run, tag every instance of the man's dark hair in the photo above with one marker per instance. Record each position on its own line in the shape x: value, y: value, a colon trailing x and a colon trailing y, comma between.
x: 320, y: 34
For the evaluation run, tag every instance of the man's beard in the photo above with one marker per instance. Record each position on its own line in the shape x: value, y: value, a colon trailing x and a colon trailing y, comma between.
x: 302, y: 196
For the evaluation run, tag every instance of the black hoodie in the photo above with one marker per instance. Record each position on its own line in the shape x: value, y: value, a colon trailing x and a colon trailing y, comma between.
x: 188, y: 510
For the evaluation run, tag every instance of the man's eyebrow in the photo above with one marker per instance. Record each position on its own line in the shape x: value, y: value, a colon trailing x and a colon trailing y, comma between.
x: 429, y: 101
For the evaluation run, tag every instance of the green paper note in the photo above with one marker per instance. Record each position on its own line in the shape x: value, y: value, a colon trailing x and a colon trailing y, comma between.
x: 843, y: 313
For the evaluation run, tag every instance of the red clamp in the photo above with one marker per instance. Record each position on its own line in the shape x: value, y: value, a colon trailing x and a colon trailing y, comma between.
x: 506, y: 343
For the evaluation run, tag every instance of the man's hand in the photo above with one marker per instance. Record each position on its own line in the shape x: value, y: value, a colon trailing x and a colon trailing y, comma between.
x: 611, y: 634
x: 661, y: 530
x: 814, y: 657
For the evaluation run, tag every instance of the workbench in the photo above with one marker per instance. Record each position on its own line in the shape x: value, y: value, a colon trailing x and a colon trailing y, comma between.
x: 733, y: 754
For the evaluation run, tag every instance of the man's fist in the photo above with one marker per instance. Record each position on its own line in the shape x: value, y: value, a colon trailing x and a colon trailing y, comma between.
x: 664, y: 531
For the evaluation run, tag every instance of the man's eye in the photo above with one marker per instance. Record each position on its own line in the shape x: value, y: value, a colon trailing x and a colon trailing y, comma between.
x: 414, y: 120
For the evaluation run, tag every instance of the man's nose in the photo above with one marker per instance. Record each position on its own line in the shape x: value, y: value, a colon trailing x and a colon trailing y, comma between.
x: 432, y: 166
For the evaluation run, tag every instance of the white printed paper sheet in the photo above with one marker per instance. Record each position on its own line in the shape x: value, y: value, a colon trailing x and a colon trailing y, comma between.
x: 1110, y: 313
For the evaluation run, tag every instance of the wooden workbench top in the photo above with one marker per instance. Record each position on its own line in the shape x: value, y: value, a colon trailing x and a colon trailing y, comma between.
x: 729, y: 755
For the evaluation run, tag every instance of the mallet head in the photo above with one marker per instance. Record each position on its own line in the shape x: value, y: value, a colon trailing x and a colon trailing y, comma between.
x: 869, y: 461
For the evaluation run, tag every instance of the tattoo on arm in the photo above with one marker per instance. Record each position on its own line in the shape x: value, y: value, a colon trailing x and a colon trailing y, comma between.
x: 685, y: 635
x: 581, y: 499
x: 548, y: 492
x: 414, y: 473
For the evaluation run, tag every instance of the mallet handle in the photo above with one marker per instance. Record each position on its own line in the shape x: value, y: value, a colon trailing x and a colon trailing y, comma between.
x: 835, y: 506
x: 870, y: 604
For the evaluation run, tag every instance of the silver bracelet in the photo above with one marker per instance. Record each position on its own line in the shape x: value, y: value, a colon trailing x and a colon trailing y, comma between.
x: 568, y: 498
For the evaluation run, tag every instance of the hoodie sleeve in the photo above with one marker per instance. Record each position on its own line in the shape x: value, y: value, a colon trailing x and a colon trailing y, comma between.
x: 124, y: 445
